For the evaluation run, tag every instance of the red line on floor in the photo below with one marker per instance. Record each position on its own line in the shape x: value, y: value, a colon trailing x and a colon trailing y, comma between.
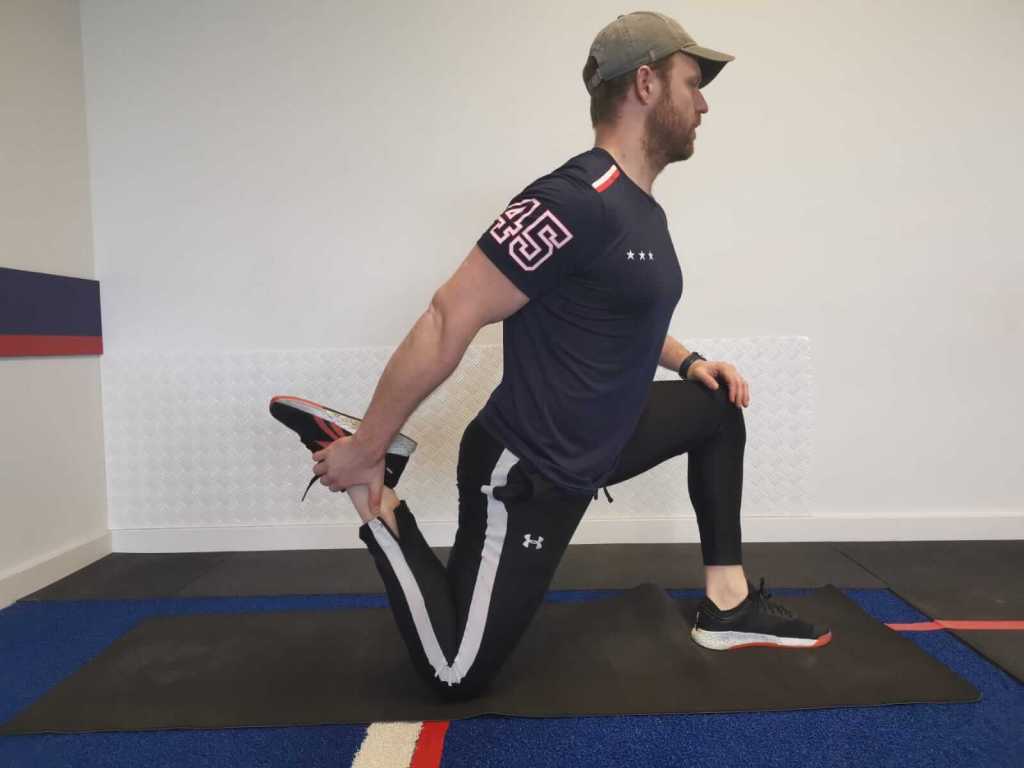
x: 918, y: 626
x: 931, y: 626
x: 956, y: 624
x: 430, y: 745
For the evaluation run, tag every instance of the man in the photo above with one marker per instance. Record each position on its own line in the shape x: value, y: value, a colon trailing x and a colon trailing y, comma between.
x: 581, y: 269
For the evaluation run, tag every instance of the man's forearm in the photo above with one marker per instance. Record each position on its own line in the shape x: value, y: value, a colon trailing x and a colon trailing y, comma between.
x: 425, y: 358
x: 673, y: 354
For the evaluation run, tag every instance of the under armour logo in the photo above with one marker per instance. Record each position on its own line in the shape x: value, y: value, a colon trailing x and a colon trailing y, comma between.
x: 538, y: 542
x: 642, y: 256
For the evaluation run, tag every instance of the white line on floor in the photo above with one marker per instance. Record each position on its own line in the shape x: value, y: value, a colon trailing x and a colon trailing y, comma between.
x: 388, y: 745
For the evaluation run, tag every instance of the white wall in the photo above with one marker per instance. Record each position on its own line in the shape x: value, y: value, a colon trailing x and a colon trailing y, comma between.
x: 271, y: 175
x: 53, y: 517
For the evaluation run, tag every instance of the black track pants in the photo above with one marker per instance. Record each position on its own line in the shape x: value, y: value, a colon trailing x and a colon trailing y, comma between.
x: 461, y: 621
x: 686, y: 417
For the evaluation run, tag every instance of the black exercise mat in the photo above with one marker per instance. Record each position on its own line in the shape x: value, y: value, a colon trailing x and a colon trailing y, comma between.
x: 962, y: 580
x: 629, y: 654
x: 125, y: 576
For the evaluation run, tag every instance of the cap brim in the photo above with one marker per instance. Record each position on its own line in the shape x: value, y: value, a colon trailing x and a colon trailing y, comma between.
x: 710, y: 61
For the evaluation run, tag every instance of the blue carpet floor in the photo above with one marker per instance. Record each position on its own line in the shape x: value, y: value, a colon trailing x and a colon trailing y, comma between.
x: 42, y: 643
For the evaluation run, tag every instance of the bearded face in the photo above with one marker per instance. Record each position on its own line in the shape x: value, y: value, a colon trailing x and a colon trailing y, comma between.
x: 670, y: 126
x: 669, y: 135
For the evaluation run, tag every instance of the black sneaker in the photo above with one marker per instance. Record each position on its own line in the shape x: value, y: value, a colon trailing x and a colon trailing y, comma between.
x: 757, y: 621
x: 319, y: 426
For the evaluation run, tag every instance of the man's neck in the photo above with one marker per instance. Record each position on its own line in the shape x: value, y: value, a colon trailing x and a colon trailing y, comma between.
x: 631, y: 158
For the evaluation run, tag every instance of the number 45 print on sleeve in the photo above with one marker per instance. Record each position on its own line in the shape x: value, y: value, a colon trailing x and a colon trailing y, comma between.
x: 546, y: 232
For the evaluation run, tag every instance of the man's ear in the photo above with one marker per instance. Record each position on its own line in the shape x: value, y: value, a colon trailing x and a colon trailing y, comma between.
x: 643, y: 84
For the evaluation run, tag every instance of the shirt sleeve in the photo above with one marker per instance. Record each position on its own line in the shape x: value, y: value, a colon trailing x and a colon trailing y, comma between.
x: 547, y: 231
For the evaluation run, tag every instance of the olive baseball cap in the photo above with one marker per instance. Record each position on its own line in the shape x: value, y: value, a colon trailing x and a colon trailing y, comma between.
x: 643, y: 37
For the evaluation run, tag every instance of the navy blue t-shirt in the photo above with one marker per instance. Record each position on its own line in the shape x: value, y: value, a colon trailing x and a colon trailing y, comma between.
x: 593, y: 253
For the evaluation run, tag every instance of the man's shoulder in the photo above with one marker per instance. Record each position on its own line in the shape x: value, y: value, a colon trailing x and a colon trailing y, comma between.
x: 587, y: 171
x: 574, y: 183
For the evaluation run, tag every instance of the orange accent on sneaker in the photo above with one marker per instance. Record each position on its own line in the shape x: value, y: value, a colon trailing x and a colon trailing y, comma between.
x: 299, y: 399
x: 823, y: 640
x: 333, y: 431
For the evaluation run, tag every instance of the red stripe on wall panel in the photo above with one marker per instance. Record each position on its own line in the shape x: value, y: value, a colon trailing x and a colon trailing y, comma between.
x: 13, y: 345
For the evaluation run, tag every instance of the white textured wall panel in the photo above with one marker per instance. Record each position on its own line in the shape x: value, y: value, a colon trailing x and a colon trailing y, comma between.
x: 191, y: 444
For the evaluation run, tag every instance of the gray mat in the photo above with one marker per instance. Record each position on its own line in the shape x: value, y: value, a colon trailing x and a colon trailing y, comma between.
x: 629, y: 654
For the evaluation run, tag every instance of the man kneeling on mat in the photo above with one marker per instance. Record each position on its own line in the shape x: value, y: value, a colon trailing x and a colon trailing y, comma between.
x: 581, y: 269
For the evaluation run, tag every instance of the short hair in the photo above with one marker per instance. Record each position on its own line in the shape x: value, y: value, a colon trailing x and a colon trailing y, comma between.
x: 608, y: 96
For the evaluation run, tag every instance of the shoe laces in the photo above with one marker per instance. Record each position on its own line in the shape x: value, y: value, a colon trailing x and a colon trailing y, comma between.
x: 763, y: 600
x: 315, y: 478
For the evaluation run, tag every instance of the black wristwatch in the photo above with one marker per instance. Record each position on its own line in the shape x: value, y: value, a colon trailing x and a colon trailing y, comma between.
x: 685, y: 367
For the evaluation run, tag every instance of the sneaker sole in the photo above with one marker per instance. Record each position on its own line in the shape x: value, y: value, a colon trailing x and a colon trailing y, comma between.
x: 731, y: 641
x: 401, y: 445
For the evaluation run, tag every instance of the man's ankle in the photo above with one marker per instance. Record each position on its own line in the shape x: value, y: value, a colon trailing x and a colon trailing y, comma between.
x: 359, y: 496
x: 725, y: 585
x: 389, y: 521
x: 726, y: 600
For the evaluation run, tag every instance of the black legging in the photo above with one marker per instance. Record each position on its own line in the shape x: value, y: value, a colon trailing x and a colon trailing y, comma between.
x: 460, y: 621
x: 686, y: 417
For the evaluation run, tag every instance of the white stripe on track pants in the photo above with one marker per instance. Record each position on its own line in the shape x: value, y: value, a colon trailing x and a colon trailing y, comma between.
x: 460, y: 622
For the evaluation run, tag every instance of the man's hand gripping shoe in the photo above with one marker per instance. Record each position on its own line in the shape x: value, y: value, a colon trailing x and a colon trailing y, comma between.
x: 319, y: 426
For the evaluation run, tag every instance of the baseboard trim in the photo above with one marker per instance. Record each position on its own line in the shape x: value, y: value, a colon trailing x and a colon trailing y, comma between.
x: 46, y: 569
x: 832, y: 527
x: 843, y: 526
